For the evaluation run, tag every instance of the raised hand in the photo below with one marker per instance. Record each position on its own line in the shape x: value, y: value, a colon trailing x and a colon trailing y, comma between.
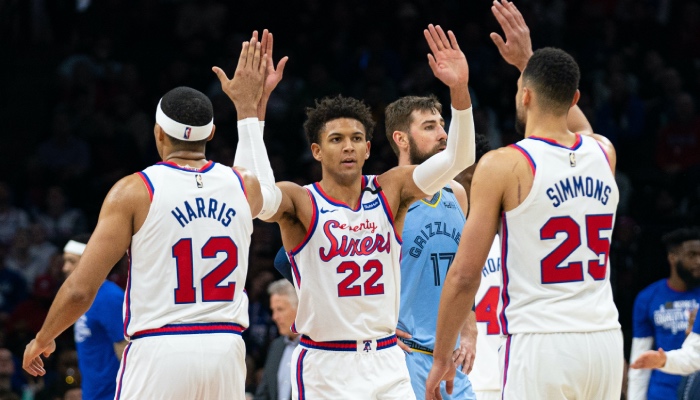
x: 246, y: 87
x: 517, y: 48
x: 273, y: 75
x: 650, y: 359
x: 447, y: 60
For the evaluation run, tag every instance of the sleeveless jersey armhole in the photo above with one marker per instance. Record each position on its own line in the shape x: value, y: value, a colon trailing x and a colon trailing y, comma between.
x: 147, y: 182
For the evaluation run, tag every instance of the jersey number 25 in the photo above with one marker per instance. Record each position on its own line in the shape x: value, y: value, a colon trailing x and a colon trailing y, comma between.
x: 552, y: 272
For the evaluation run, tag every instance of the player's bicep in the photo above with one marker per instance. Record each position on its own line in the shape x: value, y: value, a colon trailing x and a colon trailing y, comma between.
x: 485, y: 205
x: 292, y: 194
x: 112, y: 235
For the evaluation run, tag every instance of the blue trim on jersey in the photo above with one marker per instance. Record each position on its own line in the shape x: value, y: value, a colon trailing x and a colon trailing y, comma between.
x: 295, y: 270
x: 240, y: 180
x: 604, y: 152
x: 504, y: 271
x: 339, y: 203
x: 533, y: 165
x: 191, y: 329
x: 505, y: 369
x: 346, y: 345
x: 552, y: 142
x: 312, y: 228
x: 149, y: 184
x: 127, y: 296
x: 123, y: 370
x: 387, y: 211
x: 300, y: 374
x: 205, y: 168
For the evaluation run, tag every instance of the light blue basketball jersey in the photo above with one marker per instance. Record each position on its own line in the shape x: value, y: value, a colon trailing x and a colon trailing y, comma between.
x: 431, y: 234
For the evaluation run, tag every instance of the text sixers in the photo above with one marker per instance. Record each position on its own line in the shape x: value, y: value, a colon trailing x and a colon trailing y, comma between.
x: 341, y: 245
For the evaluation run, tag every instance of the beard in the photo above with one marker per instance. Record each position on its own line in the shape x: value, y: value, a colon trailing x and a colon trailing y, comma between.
x: 416, y: 156
x: 687, y: 277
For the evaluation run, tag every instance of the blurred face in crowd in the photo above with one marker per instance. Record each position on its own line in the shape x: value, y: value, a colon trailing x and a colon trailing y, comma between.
x: 283, y: 313
x: 687, y: 262
x: 70, y: 261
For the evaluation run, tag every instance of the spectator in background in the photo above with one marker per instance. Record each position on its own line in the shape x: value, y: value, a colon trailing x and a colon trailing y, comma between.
x: 23, y: 261
x: 7, y: 371
x: 11, y: 218
x: 39, y: 246
x: 63, y: 156
x: 99, y: 334
x: 276, y: 379
x: 13, y: 289
x: 661, y: 314
x: 678, y: 146
x: 60, y: 221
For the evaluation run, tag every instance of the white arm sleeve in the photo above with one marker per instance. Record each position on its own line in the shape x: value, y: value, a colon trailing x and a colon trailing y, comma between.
x: 685, y: 360
x: 638, y: 379
x: 434, y: 173
x: 252, y: 155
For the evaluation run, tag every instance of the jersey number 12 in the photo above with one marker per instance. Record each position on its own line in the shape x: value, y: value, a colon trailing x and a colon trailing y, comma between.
x: 211, y: 291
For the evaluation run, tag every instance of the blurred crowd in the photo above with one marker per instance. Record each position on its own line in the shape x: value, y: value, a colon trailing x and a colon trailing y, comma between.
x: 81, y: 81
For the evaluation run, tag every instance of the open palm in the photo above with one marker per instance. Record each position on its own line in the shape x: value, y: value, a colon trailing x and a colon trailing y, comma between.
x: 447, y: 61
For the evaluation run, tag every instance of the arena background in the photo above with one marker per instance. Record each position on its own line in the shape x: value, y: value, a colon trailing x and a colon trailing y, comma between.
x: 80, y: 81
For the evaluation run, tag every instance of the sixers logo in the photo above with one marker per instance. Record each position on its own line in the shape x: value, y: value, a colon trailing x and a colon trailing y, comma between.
x: 368, y: 345
x: 342, y: 246
x: 188, y: 131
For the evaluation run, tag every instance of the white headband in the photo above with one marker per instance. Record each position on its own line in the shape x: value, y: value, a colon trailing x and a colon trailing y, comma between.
x: 74, y: 247
x: 182, y: 131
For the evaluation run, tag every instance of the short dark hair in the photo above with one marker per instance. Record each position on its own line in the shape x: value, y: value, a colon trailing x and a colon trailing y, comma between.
x: 398, y: 115
x: 554, y: 75
x: 482, y: 146
x: 674, y: 239
x: 189, y: 107
x: 330, y: 108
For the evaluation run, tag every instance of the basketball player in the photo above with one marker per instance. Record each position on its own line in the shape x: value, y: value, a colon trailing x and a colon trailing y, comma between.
x: 186, y: 223
x: 661, y: 314
x: 554, y: 196
x: 484, y: 375
x: 343, y: 237
x: 99, y: 334
x: 683, y: 361
x: 431, y: 232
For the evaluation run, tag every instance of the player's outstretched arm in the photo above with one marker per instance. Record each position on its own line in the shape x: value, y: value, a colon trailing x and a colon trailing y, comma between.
x: 107, y: 245
x: 245, y: 90
x: 462, y: 281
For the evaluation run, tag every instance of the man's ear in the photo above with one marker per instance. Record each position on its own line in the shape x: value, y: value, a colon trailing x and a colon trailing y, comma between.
x: 211, y: 135
x: 401, y: 139
x: 316, y: 151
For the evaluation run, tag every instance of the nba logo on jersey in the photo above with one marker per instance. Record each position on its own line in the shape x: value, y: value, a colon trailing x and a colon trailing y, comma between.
x: 572, y: 159
x: 188, y: 130
x: 198, y: 179
x: 368, y: 345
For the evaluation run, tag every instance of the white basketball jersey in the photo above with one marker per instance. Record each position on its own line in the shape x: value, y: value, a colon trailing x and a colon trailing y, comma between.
x: 346, y: 271
x: 485, y: 375
x: 189, y: 260
x: 556, y: 276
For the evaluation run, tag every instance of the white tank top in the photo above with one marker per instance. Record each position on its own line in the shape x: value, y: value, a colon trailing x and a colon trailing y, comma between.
x: 346, y: 270
x: 555, y: 245
x: 189, y: 260
x: 485, y: 375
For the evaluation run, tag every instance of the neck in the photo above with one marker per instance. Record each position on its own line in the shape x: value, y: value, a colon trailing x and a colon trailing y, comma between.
x: 190, y: 158
x: 549, y: 126
x: 347, y: 192
x: 676, y: 283
x: 404, y: 159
